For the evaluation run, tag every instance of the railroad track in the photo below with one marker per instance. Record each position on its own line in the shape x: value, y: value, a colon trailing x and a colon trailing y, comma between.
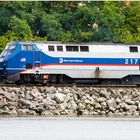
x: 70, y: 85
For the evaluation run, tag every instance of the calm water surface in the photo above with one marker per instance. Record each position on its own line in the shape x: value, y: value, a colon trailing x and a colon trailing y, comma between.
x: 69, y: 129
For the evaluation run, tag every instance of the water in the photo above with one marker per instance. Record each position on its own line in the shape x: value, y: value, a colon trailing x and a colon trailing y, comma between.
x: 69, y: 129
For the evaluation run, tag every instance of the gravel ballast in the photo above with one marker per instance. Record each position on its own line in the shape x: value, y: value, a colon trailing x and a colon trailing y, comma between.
x: 70, y: 101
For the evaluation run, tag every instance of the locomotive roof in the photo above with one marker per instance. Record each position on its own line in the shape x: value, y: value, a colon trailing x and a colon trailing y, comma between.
x: 83, y: 43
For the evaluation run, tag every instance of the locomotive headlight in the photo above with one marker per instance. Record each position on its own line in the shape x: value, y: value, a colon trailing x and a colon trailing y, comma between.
x: 1, y: 59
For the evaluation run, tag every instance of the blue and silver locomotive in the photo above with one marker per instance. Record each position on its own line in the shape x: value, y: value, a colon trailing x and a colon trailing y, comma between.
x: 57, y: 62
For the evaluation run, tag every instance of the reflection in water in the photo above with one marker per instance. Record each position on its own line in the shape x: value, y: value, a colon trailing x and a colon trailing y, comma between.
x: 69, y: 129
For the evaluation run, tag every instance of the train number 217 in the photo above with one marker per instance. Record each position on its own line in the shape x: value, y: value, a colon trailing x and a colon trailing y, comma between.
x: 131, y: 61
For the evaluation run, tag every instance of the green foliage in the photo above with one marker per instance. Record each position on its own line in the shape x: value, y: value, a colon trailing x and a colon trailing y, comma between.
x: 20, y: 27
x: 69, y: 21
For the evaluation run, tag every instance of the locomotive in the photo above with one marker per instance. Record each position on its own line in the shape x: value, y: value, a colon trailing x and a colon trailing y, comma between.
x: 58, y: 62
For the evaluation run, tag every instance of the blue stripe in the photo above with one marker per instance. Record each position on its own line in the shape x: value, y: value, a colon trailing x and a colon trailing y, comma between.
x: 15, y: 62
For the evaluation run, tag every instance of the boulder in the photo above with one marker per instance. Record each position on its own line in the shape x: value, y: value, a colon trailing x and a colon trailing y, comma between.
x: 113, y: 109
x: 47, y: 113
x: 118, y: 100
x: 139, y: 106
x: 105, y: 94
x: 2, y: 102
x: 72, y: 105
x: 87, y: 101
x: 97, y: 106
x: 9, y: 112
x: 66, y: 90
x: 11, y: 96
x: 59, y: 97
x: 61, y: 107
x: 81, y: 106
x: 85, y: 112
x: 60, y: 90
x: 28, y: 104
x: 23, y: 112
x: 111, y: 103
x: 101, y: 99
x: 129, y: 102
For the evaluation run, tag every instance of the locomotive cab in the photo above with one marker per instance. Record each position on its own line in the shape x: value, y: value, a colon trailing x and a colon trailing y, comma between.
x: 18, y: 58
x: 5, y: 56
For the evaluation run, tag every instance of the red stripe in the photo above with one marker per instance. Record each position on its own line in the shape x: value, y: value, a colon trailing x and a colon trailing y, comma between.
x: 91, y: 65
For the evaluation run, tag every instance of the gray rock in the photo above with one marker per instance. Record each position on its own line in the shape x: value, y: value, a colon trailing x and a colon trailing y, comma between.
x: 39, y: 109
x: 87, y: 101
x: 72, y: 105
x: 129, y: 102
x: 11, y: 96
x: 61, y: 107
x: 52, y: 90
x: 56, y: 112
x: 40, y: 90
x: 89, y: 107
x: 111, y: 103
x: 23, y: 112
x: 35, y: 94
x: 28, y: 104
x: 105, y: 94
x: 94, y: 113
x: 103, y: 113
x: 2, y: 102
x: 66, y: 91
x: 113, y: 109
x: 47, y: 113
x: 127, y: 107
x: 97, y: 106
x: 103, y: 104
x: 60, y: 90
x: 81, y: 106
x: 9, y: 112
x: 101, y: 99
x: 1, y: 91
x: 93, y: 102
x: 132, y: 107
x: 110, y: 114
x: 63, y: 113
x: 85, y: 113
x: 136, y: 113
x: 118, y: 100
x: 88, y: 97
x: 59, y: 97
x: 75, y: 97
x: 68, y: 98
x: 48, y: 101
x: 29, y: 97
x: 138, y: 106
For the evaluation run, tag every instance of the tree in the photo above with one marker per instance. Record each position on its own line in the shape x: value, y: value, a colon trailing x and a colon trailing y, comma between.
x: 20, y: 27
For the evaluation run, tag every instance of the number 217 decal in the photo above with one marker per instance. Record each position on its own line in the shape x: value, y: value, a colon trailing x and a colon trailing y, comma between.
x: 132, y: 61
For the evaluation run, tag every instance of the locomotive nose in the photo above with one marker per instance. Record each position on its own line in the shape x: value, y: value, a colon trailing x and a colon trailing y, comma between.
x: 2, y: 69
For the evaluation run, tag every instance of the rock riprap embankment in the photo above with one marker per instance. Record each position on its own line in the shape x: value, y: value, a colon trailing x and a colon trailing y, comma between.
x: 70, y: 101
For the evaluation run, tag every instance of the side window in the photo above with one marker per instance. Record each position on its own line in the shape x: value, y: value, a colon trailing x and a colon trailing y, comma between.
x: 50, y: 47
x: 27, y: 47
x: 24, y: 47
x: 84, y: 48
x: 72, y: 48
x: 60, y: 48
x: 69, y: 48
x: 30, y: 48
x: 133, y: 49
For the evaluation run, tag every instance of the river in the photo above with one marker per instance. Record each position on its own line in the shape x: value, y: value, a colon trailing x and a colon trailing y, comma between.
x: 41, y: 128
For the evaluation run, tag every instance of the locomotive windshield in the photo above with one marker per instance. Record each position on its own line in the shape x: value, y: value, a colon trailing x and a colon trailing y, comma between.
x: 8, y: 50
